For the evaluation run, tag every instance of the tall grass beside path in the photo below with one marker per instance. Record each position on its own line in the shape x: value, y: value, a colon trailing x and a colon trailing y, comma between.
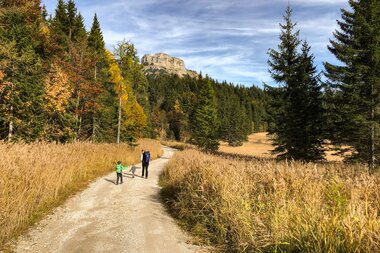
x: 269, y: 206
x: 36, y: 177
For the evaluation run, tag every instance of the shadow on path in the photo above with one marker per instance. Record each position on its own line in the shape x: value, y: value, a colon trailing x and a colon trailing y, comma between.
x: 109, y: 180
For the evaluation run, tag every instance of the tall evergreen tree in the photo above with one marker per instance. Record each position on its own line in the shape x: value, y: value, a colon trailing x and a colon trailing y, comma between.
x: 73, y: 21
x: 311, y: 111
x: 232, y: 117
x: 77, y: 61
x: 95, y: 38
x: 60, y: 24
x: 295, y: 109
x: 177, y: 122
x: 102, y: 122
x: 60, y: 18
x: 205, y: 123
x: 68, y: 24
x: 21, y: 65
x: 79, y: 33
x: 355, y: 84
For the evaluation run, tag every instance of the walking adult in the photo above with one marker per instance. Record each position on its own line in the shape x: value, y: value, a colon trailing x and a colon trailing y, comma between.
x: 145, y: 158
x: 142, y: 161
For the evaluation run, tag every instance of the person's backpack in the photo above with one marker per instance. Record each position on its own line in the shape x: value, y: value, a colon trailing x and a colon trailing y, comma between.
x: 146, y: 157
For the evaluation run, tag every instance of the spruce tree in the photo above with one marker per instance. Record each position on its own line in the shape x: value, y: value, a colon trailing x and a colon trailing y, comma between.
x: 233, y: 127
x: 79, y: 30
x: 103, y: 120
x: 205, y: 123
x: 72, y: 53
x: 72, y: 13
x: 60, y: 24
x: 295, y: 114
x: 311, y: 111
x: 21, y: 65
x: 68, y: 24
x: 354, y: 84
x: 95, y: 38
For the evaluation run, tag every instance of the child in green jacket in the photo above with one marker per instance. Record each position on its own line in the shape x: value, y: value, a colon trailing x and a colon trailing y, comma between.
x: 119, y: 170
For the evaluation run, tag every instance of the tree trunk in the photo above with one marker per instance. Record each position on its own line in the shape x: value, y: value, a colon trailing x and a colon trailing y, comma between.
x: 372, y: 163
x: 10, y: 126
x: 77, y: 104
x: 79, y: 126
x: 77, y: 115
x: 93, y: 127
x: 93, y: 116
x: 10, y: 130
x: 119, y: 119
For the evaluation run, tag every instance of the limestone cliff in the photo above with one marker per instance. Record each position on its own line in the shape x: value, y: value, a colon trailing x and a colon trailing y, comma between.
x: 155, y: 64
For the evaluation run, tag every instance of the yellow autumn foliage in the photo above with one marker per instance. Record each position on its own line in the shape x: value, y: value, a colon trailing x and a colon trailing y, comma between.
x: 134, y: 118
x: 44, y: 32
x: 57, y: 88
x: 2, y: 85
x: 5, y: 92
x: 114, y: 68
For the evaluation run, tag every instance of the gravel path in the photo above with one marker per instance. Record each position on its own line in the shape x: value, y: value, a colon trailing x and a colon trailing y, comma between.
x: 112, y: 218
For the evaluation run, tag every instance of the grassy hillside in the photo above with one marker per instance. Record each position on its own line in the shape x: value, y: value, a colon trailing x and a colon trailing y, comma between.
x: 268, y: 206
x: 36, y: 177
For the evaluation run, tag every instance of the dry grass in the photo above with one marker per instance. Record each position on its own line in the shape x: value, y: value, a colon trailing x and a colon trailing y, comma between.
x: 260, y: 145
x: 268, y: 206
x: 36, y: 177
x: 178, y: 145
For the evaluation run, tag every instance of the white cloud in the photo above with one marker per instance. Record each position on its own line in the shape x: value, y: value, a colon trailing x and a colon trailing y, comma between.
x: 226, y: 39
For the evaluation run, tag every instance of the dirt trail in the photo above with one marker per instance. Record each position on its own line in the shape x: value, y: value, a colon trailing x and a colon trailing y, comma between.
x: 112, y: 218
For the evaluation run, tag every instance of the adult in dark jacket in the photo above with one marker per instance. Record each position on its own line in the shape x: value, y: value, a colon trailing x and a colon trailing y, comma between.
x: 145, y: 159
x: 141, y: 159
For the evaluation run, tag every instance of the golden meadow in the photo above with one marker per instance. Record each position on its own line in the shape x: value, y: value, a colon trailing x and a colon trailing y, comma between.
x: 266, y: 206
x: 34, y: 178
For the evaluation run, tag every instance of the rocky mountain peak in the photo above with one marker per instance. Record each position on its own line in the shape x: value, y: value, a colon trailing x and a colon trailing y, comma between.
x: 154, y: 64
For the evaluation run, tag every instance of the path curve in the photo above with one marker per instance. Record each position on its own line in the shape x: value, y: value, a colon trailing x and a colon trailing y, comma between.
x: 112, y: 218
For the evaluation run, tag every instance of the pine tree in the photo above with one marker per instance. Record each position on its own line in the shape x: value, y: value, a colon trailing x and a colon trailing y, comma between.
x: 60, y: 24
x: 231, y: 115
x: 295, y: 108
x: 95, y: 38
x: 311, y: 111
x: 177, y: 121
x: 204, y: 120
x: 102, y: 121
x: 79, y: 31
x: 72, y: 19
x: 78, y: 62
x: 68, y: 24
x: 21, y: 86
x: 355, y: 84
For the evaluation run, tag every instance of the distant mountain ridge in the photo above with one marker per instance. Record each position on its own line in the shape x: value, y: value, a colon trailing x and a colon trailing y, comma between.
x: 160, y: 63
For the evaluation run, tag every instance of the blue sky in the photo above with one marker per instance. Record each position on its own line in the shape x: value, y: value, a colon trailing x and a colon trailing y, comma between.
x: 227, y: 39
